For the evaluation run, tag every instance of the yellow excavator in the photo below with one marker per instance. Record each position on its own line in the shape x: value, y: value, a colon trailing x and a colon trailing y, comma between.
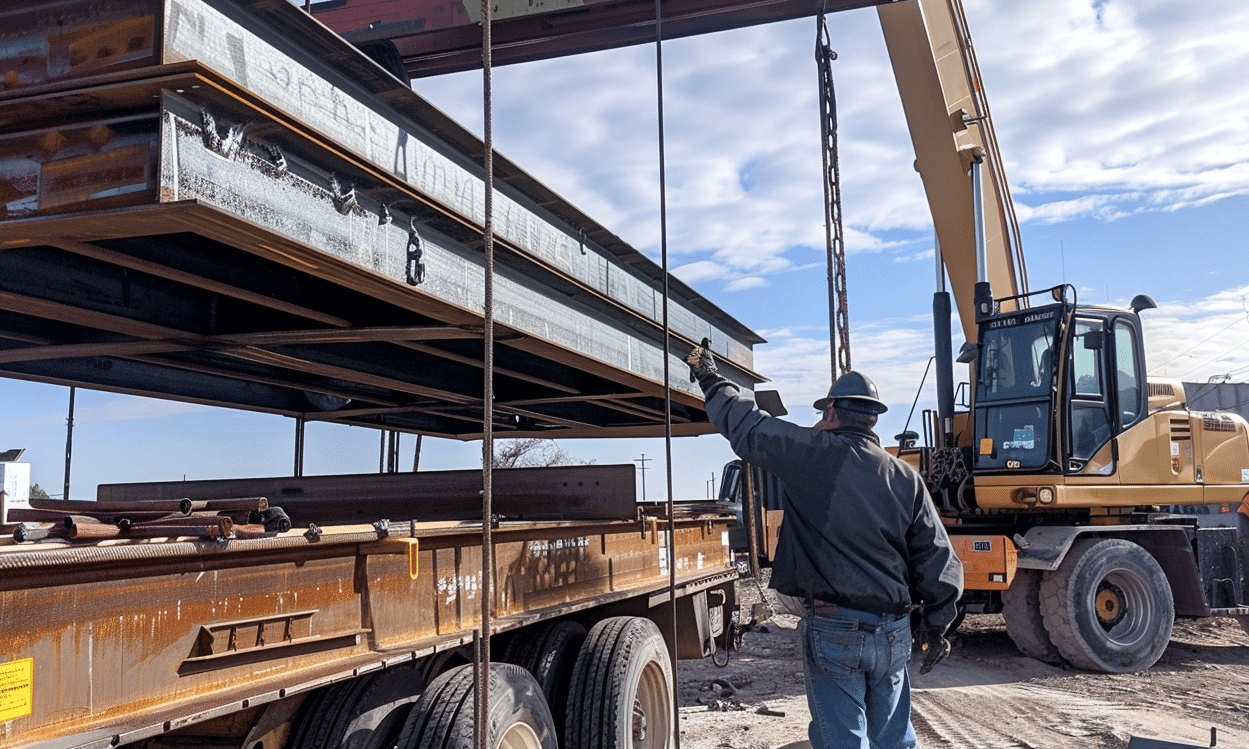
x: 1084, y: 500
x: 1090, y: 506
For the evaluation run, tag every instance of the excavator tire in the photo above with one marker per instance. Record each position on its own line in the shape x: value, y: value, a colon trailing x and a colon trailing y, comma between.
x: 1021, y: 607
x: 1108, y: 606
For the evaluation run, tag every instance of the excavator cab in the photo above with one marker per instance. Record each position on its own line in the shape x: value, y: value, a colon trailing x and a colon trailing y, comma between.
x: 1104, y: 397
x: 1016, y: 390
x: 1054, y: 386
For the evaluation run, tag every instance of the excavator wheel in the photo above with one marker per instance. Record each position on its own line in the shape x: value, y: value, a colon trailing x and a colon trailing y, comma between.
x: 1108, y: 606
x: 1021, y: 607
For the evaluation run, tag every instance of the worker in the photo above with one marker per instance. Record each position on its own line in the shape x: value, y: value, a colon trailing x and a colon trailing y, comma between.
x: 861, y: 544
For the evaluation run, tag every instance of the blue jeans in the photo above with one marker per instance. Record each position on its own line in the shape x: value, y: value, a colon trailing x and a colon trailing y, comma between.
x: 857, y: 685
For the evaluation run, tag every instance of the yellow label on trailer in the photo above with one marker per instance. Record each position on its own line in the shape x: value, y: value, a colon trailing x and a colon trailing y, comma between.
x: 17, y: 687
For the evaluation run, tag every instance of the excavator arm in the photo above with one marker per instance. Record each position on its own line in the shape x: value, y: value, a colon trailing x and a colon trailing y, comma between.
x: 948, y: 117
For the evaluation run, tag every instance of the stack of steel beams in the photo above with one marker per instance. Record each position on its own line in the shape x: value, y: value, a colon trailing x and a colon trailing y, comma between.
x: 224, y: 202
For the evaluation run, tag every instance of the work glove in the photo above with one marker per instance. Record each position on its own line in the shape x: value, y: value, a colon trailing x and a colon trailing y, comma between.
x: 936, y: 648
x: 700, y: 360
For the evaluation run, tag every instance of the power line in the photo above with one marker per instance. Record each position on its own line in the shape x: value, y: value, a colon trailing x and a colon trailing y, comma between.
x: 1199, y: 343
x: 1216, y: 358
x: 1212, y: 335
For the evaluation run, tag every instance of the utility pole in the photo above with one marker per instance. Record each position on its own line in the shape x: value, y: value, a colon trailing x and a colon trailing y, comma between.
x: 69, y: 442
x: 643, y: 461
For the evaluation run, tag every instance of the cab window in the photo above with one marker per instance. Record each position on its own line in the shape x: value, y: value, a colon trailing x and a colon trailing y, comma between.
x: 1127, y: 375
x: 1089, y: 420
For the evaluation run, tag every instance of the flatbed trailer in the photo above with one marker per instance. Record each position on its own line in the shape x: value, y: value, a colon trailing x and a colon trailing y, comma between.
x: 175, y: 641
x: 222, y: 202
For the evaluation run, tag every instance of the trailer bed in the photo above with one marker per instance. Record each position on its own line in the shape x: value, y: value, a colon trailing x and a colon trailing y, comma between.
x: 115, y: 641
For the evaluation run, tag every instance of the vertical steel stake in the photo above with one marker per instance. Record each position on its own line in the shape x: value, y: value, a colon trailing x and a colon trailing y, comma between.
x: 481, y: 683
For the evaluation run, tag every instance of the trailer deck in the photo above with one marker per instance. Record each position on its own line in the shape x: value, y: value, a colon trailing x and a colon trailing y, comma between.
x: 124, y: 640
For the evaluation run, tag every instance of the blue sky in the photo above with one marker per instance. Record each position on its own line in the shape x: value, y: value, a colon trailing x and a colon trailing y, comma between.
x: 1125, y: 133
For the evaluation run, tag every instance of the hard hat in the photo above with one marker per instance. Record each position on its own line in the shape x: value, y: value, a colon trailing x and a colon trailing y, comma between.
x: 857, y: 392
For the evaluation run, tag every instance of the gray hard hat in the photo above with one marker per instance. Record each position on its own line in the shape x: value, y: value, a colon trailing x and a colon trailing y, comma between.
x: 854, y: 392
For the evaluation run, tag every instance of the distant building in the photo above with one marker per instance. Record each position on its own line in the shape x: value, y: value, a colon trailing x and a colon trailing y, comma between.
x: 1218, y: 396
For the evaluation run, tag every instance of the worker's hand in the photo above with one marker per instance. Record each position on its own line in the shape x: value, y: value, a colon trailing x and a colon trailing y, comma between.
x: 700, y: 360
x: 936, y: 648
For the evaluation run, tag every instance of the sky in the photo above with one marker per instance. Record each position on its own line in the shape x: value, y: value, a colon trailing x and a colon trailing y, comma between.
x: 1124, y: 129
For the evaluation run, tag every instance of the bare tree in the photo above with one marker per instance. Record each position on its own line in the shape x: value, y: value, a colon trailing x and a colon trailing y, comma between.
x: 37, y: 492
x: 532, y: 452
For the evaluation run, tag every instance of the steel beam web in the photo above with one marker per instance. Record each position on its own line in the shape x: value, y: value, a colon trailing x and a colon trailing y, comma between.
x: 838, y: 315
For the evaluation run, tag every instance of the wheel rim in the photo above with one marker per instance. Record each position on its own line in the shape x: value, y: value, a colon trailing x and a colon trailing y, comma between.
x: 651, y: 726
x: 1109, y: 602
x: 519, y: 736
x: 1125, y: 608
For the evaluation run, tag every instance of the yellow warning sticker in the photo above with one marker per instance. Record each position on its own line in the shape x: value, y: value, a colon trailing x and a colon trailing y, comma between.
x: 17, y: 686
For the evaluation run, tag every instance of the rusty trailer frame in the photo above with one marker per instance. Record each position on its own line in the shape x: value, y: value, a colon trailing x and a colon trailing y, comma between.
x: 116, y: 642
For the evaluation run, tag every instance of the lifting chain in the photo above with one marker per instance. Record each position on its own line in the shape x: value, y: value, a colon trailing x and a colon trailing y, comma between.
x: 838, y: 317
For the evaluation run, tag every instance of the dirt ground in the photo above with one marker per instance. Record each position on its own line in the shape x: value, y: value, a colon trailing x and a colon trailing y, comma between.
x: 986, y: 695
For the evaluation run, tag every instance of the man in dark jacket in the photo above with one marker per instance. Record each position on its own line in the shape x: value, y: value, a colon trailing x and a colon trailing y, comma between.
x: 861, y: 544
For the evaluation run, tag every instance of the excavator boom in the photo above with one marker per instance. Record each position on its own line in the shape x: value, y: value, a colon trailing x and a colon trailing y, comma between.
x: 948, y: 117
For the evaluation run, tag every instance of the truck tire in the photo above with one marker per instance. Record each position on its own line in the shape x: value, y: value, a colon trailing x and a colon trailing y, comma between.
x: 621, y: 696
x: 367, y: 712
x: 446, y: 714
x: 1108, y: 606
x: 549, y: 652
x: 1021, y: 607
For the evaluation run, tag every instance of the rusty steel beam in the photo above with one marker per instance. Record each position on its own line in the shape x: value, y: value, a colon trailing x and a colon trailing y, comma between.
x: 123, y: 260
x: 597, y: 492
x: 432, y: 37
x: 229, y: 211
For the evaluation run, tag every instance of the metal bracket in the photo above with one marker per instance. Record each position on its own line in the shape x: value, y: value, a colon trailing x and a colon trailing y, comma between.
x: 415, y: 269
x: 344, y: 200
x: 213, y: 141
x: 275, y: 155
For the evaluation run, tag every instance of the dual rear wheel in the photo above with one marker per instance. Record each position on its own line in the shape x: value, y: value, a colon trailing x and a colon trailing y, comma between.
x: 1108, y: 607
x: 606, y: 689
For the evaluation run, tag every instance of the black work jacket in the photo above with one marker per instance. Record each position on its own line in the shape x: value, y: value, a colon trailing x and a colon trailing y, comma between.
x: 860, y: 529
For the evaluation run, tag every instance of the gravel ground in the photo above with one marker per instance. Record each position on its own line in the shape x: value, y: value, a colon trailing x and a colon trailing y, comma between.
x: 986, y: 695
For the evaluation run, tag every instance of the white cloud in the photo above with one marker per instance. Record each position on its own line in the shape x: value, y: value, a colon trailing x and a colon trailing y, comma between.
x: 1200, y: 339
x: 1104, y: 110
x: 749, y: 282
x: 702, y: 270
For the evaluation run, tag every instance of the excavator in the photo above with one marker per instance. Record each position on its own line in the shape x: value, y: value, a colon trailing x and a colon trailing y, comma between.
x: 1090, y: 506
x: 1077, y: 491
